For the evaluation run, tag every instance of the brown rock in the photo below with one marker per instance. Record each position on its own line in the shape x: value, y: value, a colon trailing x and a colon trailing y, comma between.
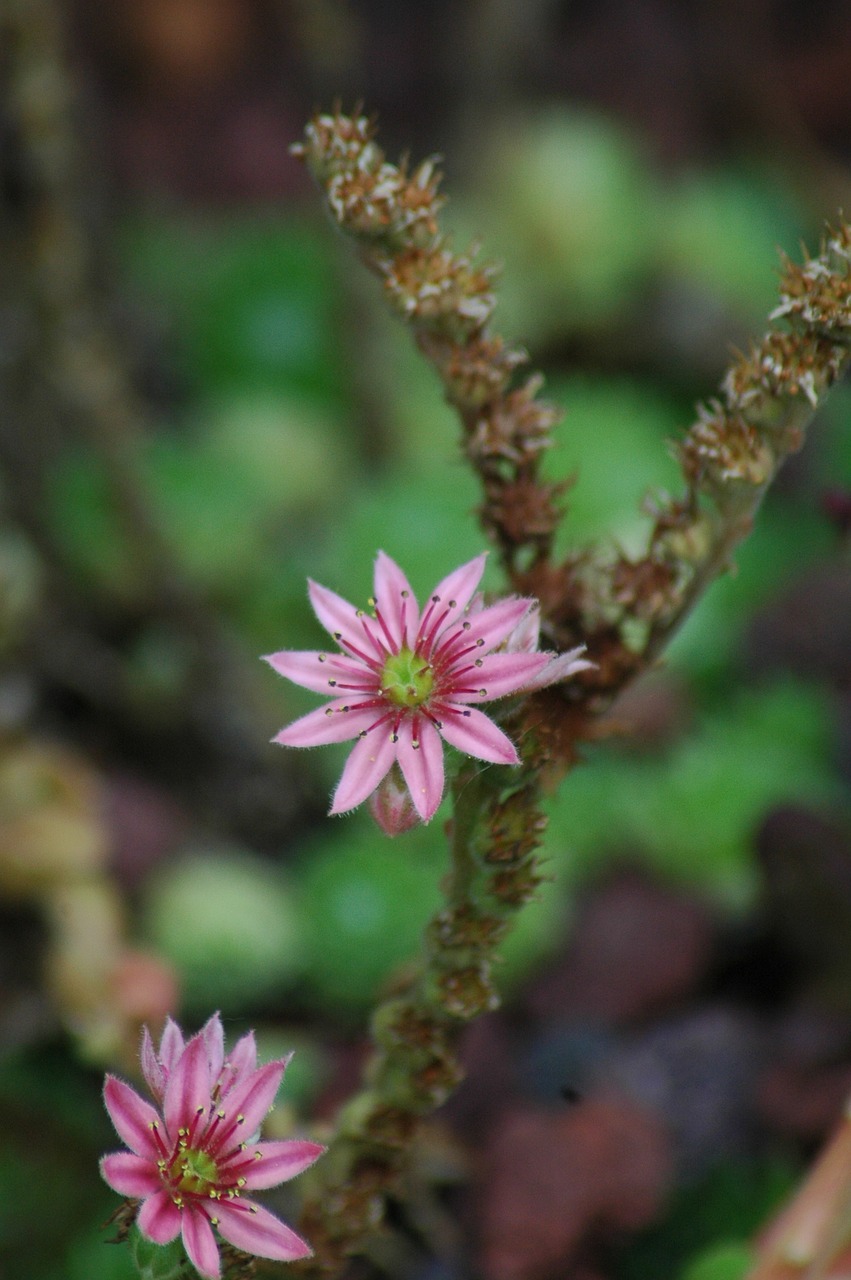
x: 803, y: 1103
x: 638, y: 947
x: 551, y: 1178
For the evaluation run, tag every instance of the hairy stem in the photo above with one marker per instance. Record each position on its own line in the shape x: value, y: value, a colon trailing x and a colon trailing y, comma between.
x: 494, y: 835
x: 625, y: 610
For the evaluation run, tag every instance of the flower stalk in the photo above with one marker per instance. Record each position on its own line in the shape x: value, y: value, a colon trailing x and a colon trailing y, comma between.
x: 494, y: 869
x: 624, y: 609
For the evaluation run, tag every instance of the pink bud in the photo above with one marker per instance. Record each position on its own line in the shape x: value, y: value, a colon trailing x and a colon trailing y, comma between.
x: 391, y: 805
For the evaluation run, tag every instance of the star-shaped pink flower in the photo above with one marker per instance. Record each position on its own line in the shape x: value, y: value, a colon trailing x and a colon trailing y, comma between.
x: 406, y: 678
x: 194, y: 1155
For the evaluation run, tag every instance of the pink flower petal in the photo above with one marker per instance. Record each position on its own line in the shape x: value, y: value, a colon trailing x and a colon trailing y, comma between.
x: 171, y: 1045
x: 497, y: 621
x: 152, y: 1068
x: 369, y: 760
x: 159, y: 1218
x: 200, y: 1243
x: 422, y: 766
x: 268, y: 1163
x: 498, y: 675
x: 130, y: 1175
x: 321, y: 672
x: 187, y: 1094
x: 527, y: 634
x: 491, y: 626
x: 560, y: 667
x: 132, y: 1116
x: 247, y: 1103
x: 255, y: 1230
x: 476, y: 735
x: 460, y: 586
x: 331, y: 723
x: 338, y: 617
x: 214, y: 1039
x: 396, y: 602
x: 240, y: 1062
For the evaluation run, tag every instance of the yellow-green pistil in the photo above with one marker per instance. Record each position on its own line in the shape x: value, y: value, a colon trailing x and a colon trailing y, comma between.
x: 196, y: 1172
x: 407, y: 679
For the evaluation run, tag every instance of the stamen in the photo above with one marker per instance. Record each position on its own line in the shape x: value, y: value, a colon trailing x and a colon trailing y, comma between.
x: 355, y: 706
x: 391, y: 643
x: 358, y: 653
x: 374, y: 641
x: 155, y: 1130
x: 446, y: 655
x: 426, y: 618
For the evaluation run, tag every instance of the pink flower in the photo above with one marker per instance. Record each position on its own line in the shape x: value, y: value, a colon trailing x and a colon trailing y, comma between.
x: 406, y: 678
x: 193, y: 1156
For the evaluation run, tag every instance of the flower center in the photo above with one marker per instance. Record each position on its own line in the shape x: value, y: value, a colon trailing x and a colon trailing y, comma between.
x: 407, y: 679
x: 195, y: 1172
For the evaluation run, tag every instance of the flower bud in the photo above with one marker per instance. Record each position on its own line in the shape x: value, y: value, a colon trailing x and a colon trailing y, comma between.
x: 391, y: 805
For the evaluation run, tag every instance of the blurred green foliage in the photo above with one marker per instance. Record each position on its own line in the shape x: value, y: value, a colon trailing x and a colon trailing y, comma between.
x: 229, y: 923
x: 691, y: 810
x: 703, y: 1234
x: 250, y: 298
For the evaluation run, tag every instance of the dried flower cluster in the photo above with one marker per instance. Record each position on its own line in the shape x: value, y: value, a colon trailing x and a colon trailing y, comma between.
x: 448, y: 300
x: 732, y: 453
